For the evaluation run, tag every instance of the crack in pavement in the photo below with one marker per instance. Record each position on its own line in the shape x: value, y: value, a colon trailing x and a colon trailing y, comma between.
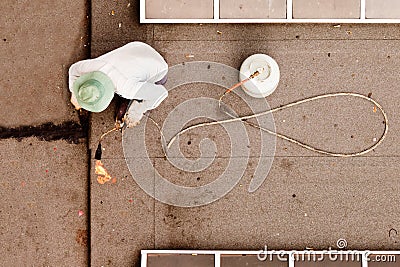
x: 70, y: 131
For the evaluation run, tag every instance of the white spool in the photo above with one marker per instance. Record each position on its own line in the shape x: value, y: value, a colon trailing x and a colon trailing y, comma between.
x: 266, y: 82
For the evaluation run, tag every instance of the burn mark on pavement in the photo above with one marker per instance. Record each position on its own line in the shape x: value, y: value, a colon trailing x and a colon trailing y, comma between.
x: 286, y: 164
x: 69, y: 131
x: 392, y: 232
x: 82, y: 237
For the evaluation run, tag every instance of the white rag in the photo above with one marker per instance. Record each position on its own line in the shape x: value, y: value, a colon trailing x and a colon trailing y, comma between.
x: 134, y: 68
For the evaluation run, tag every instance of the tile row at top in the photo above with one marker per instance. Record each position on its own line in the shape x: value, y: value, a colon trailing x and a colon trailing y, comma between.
x: 270, y: 11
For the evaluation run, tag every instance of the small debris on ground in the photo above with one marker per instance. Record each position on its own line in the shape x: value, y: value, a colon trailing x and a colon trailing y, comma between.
x: 80, y: 213
x: 189, y: 56
x: 374, y: 139
x: 369, y: 95
x: 128, y: 5
x: 392, y: 232
x: 112, y: 13
x: 119, y: 25
x: 219, y: 32
x: 348, y: 32
x: 375, y: 109
x: 102, y: 174
x: 336, y: 26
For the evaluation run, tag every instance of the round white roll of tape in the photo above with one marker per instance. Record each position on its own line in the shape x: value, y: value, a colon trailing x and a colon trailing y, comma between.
x: 266, y: 82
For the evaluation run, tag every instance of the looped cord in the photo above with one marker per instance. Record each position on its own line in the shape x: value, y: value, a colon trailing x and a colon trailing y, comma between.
x: 284, y: 137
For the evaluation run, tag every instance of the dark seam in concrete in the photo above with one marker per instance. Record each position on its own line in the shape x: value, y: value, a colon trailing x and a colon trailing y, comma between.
x: 85, y: 121
x: 69, y: 131
x: 84, y: 118
x: 89, y: 210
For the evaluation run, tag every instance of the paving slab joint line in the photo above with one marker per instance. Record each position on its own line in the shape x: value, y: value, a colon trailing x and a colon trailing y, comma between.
x: 85, y: 119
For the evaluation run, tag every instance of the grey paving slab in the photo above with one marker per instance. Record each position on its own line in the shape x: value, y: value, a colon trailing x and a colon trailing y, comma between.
x: 44, y: 207
x: 115, y: 23
x: 254, y: 9
x: 174, y: 9
x: 169, y: 116
x: 387, y: 9
x: 329, y: 263
x: 122, y: 218
x: 43, y: 189
x: 251, y: 261
x: 304, y: 202
x: 38, y: 43
x: 255, y: 32
x: 180, y: 260
x: 341, y: 124
x: 342, y: 198
x: 317, y: 9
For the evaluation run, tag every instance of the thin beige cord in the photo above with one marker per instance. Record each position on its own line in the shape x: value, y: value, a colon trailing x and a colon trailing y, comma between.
x: 106, y: 133
x: 161, y: 133
x: 234, y: 119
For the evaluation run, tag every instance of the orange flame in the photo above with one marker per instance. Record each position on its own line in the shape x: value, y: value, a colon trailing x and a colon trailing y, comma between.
x: 103, y: 176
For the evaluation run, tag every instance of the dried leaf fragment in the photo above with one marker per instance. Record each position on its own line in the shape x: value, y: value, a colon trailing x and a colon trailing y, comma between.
x: 102, y: 174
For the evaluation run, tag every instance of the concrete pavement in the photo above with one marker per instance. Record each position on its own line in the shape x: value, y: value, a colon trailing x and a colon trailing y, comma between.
x: 307, y: 200
x: 43, y: 152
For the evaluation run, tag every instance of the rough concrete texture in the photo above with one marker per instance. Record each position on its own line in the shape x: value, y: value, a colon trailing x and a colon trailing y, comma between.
x: 307, y: 200
x: 255, y: 9
x: 43, y: 210
x: 386, y: 9
x: 264, y: 32
x: 39, y: 41
x: 106, y: 34
x: 43, y: 189
x: 117, y: 237
x: 319, y: 9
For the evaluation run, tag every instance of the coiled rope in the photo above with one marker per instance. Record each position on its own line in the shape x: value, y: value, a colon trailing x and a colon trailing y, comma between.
x: 284, y: 137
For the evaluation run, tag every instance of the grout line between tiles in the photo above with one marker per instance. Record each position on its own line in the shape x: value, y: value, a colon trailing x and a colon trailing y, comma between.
x: 254, y: 157
x: 274, y: 40
x: 154, y: 205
